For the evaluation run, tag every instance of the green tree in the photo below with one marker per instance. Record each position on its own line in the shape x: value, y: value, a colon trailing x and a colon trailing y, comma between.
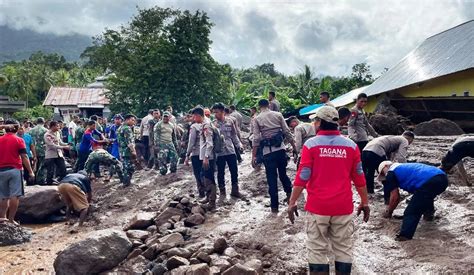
x: 35, y: 112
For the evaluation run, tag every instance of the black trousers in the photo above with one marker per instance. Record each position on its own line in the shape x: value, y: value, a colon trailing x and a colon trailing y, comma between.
x: 231, y: 161
x: 361, y: 145
x: 197, y: 167
x: 370, y: 164
x: 422, y: 202
x: 52, y: 165
x: 275, y: 167
x: 146, y: 149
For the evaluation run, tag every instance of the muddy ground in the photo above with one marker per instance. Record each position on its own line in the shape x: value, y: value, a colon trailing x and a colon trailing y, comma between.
x: 445, y: 245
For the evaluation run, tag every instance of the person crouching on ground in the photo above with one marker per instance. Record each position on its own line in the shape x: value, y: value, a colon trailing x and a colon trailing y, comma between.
x: 424, y: 181
x: 76, y: 192
x: 329, y: 163
x: 13, y: 158
x: 100, y: 156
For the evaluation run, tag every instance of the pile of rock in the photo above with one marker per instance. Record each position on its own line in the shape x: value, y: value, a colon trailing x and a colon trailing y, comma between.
x: 11, y: 234
x: 438, y: 127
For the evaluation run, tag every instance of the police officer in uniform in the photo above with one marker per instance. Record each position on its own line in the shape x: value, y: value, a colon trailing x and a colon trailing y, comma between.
x: 270, y: 130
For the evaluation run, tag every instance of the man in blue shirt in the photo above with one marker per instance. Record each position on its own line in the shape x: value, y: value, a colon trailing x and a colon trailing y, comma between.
x: 425, y: 182
x: 30, y: 151
x: 114, y: 148
x: 85, y: 147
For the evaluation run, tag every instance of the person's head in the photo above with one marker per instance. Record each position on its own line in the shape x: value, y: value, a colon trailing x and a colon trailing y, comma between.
x: 325, y: 118
x: 263, y: 104
x: 166, y: 117
x: 344, y: 115
x: 130, y: 119
x: 189, y: 116
x: 13, y: 125
x: 40, y: 121
x: 75, y: 119
x: 169, y: 109
x: 232, y: 108
x: 26, y: 123
x: 91, y: 124
x: 156, y: 114
x: 362, y: 100
x: 324, y: 97
x: 384, y: 166
x: 293, y: 122
x: 253, y: 110
x: 207, y: 112
x: 118, y: 119
x: 271, y: 95
x: 100, y: 120
x: 2, y: 121
x: 198, y: 114
x: 60, y: 124
x: 409, y: 135
x: 54, y: 126
x: 21, y: 131
x: 150, y: 111
x: 94, y: 118
x: 219, y: 111
x: 227, y: 111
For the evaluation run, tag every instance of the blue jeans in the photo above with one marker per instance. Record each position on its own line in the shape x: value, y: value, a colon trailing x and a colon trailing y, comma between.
x: 275, y: 167
x: 422, y: 202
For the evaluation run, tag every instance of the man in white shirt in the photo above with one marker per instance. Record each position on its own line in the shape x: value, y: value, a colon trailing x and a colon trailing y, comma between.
x: 145, y: 133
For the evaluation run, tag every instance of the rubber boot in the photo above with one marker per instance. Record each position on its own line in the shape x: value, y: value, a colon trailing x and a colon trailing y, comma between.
x: 211, y: 193
x: 319, y: 269
x: 343, y: 268
x: 235, y: 192
x: 222, y: 192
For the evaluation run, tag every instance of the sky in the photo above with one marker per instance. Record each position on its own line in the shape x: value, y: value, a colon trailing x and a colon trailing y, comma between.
x: 329, y: 36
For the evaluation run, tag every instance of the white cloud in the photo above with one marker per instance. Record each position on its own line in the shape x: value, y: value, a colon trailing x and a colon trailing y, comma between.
x: 329, y: 36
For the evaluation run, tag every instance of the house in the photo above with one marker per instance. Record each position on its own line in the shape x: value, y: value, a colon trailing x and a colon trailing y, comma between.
x: 435, y: 80
x: 85, y: 102
x: 8, y: 106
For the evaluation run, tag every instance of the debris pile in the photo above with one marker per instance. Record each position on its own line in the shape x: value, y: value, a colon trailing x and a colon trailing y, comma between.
x: 438, y: 127
x: 11, y: 234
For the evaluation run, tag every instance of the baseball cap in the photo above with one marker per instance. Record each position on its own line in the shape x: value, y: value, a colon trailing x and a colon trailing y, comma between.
x: 326, y: 113
x: 166, y: 113
x: 382, y: 165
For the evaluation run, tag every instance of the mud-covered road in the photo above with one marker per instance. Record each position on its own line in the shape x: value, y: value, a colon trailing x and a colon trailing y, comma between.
x: 444, y: 245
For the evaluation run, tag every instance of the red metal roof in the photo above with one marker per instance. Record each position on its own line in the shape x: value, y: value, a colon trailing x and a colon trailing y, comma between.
x: 66, y: 96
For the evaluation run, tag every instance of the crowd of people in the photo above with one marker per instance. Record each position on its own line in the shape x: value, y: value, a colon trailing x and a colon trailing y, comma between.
x: 336, y: 149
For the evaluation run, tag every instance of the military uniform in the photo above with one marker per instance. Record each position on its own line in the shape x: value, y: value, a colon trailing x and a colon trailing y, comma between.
x: 359, y: 128
x: 101, y: 156
x: 126, y: 138
x: 37, y: 133
x: 153, y: 161
x: 165, y: 142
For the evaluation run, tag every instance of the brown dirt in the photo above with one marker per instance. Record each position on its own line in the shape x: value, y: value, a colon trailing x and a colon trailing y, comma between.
x: 445, y: 245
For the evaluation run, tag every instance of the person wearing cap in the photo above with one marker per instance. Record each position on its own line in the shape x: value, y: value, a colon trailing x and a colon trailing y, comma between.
x: 76, y: 192
x: 128, y: 154
x: 153, y: 160
x: 329, y: 164
x: 303, y: 132
x: 114, y: 148
x: 13, y: 158
x: 383, y: 148
x: 463, y: 147
x: 37, y: 134
x: 359, y: 126
x: 165, y: 140
x: 425, y: 182
x: 270, y: 130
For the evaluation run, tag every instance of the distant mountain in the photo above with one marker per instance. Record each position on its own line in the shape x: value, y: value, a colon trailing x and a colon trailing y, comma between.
x: 20, y: 44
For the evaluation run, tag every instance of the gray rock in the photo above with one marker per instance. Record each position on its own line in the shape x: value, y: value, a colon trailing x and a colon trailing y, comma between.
x: 159, y: 269
x: 194, y: 219
x: 266, y: 250
x: 175, y: 262
x: 11, y: 234
x: 239, y: 269
x: 185, y: 201
x: 136, y: 243
x: 203, y: 257
x: 141, y: 221
x: 38, y: 203
x: 152, y: 228
x: 198, y: 210
x: 137, y: 265
x: 256, y: 264
x: 193, y: 261
x: 166, y: 215
x: 174, y: 238
x: 138, y: 234
x: 221, y: 263
x: 151, y: 252
x: 173, y: 203
x: 196, y: 269
x: 135, y: 253
x: 230, y: 252
x: 101, y: 251
x: 182, y: 252
x: 220, y: 245
x: 160, y: 247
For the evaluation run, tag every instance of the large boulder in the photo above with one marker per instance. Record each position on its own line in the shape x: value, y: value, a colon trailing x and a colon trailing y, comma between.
x: 386, y: 125
x: 11, y: 234
x: 101, y: 251
x: 438, y: 127
x: 38, y: 203
x: 141, y: 221
x: 194, y: 219
x: 164, y: 216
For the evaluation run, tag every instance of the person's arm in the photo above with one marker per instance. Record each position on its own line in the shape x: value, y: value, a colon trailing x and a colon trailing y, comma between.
x: 208, y: 140
x: 128, y: 135
x: 391, y: 185
x: 298, y: 139
x: 358, y: 178
x: 156, y: 135
x: 26, y: 163
x: 174, y: 139
x: 256, y: 140
x: 303, y: 177
x: 402, y: 152
x: 235, y: 137
x: 370, y: 129
x: 286, y: 131
x: 49, y: 141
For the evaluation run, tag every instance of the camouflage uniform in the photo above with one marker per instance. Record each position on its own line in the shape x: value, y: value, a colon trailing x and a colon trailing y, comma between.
x: 37, y: 133
x: 125, y: 138
x: 101, y: 156
x: 165, y: 140
x: 153, y: 154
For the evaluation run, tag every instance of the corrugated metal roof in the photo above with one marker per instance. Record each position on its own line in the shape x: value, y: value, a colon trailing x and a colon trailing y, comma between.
x: 65, y: 96
x: 348, y: 97
x: 442, y: 54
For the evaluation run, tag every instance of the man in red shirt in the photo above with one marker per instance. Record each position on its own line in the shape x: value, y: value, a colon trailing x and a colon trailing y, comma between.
x: 329, y: 162
x: 12, y: 160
